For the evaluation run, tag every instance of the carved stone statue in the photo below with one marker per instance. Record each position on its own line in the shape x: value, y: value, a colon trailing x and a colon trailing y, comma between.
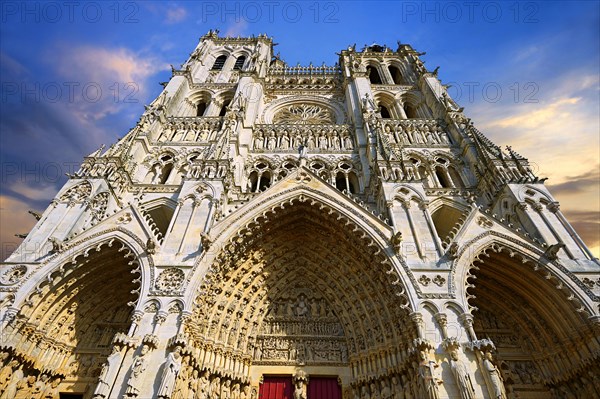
x: 386, y: 392
x: 182, y: 381
x: 495, y: 377
x: 428, y: 383
x: 6, y: 373
x: 203, y: 386
x: 139, y: 365
x: 51, y: 391
x: 462, y: 376
x: 108, y: 374
x: 25, y: 387
x: 235, y: 391
x: 368, y: 104
x: 170, y: 372
x: 375, y: 391
x: 299, y: 390
x: 215, y: 388
x: 11, y: 389
x: 245, y: 392
x: 39, y: 386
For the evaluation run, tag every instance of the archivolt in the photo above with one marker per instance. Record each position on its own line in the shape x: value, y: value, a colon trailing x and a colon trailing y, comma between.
x: 303, y: 242
x: 91, y: 294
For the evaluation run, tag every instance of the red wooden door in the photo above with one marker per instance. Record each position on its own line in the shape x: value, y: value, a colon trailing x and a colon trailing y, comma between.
x: 276, y: 388
x: 324, y: 388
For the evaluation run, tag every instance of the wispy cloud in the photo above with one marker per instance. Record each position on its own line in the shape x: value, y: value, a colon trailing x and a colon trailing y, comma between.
x: 175, y: 14
x: 236, y: 29
x: 587, y: 225
x: 14, y: 220
x: 539, y: 117
x: 577, y: 184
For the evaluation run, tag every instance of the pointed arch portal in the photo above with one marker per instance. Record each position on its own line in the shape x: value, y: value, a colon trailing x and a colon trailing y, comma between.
x: 66, y: 327
x: 535, y: 322
x: 302, y: 286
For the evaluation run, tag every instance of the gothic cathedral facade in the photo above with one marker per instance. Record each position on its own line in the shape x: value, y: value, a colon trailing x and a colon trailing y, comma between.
x: 309, y: 232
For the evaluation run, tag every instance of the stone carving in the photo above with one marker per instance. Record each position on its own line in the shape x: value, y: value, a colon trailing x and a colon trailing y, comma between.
x: 191, y: 129
x: 78, y: 193
x: 461, y: 376
x: 417, y: 133
x: 97, y: 207
x: 301, y: 330
x: 16, y: 376
x: 315, y: 138
x: 108, y: 374
x: 57, y: 245
x: 169, y: 374
x: 51, y: 391
x: 170, y: 279
x: 495, y: 376
x: 439, y: 280
x: 428, y: 381
x: 13, y: 275
x: 424, y: 280
x: 139, y: 365
x: 304, y: 114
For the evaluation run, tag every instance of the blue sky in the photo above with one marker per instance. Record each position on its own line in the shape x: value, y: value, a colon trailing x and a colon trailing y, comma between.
x: 75, y: 75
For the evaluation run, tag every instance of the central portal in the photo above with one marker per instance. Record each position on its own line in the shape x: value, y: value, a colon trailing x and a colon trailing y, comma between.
x: 301, y: 294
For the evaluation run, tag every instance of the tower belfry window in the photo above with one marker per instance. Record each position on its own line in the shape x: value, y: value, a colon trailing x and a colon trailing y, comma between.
x: 224, y: 108
x: 219, y: 63
x: 396, y: 75
x: 200, y: 109
x: 239, y: 63
x: 374, y: 77
x: 384, y: 112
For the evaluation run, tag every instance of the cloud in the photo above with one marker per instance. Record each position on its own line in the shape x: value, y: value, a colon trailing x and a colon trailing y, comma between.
x: 237, y: 29
x: 175, y: 15
x: 537, y: 118
x: 14, y: 219
x: 587, y: 225
x: 108, y: 79
x: 577, y: 184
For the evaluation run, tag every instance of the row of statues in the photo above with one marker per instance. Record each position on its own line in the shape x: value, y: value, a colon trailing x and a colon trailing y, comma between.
x: 179, y: 379
x: 422, y: 383
x: 414, y: 134
x: 18, y: 381
x: 327, y: 139
x: 193, y: 130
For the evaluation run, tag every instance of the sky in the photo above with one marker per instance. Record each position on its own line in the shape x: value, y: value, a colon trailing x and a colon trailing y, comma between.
x: 76, y: 74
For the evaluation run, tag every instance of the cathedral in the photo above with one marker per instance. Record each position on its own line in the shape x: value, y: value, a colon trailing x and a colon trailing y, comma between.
x: 268, y: 231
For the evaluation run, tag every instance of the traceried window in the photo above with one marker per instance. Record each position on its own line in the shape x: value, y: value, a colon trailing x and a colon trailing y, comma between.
x: 219, y: 63
x: 304, y: 114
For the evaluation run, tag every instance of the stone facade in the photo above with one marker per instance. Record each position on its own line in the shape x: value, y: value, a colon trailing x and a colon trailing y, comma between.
x: 262, y: 220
